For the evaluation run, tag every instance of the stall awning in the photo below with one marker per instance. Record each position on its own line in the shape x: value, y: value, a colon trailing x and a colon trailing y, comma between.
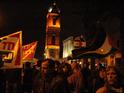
x: 94, y: 55
x: 100, y: 48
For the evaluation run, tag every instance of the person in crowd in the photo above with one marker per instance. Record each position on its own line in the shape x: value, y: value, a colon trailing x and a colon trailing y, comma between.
x: 113, y: 82
x: 58, y: 67
x: 27, y: 78
x: 2, y: 81
x: 50, y: 81
x: 67, y: 70
x: 76, y: 80
x: 100, y: 78
x: 87, y: 77
x: 36, y: 75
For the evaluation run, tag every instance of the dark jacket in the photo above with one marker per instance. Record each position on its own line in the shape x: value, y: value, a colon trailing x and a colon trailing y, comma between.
x: 52, y: 84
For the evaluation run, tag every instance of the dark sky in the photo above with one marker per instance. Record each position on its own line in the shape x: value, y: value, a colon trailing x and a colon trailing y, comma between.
x: 22, y: 15
x: 29, y: 16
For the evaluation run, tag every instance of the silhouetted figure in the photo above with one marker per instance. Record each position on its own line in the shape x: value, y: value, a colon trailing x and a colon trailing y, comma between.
x: 100, y: 78
x: 2, y: 81
x: 87, y: 77
x: 27, y: 78
x: 67, y: 70
x: 76, y: 80
x: 36, y: 78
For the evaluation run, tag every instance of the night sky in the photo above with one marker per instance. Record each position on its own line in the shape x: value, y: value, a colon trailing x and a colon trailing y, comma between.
x: 20, y: 15
x: 30, y: 16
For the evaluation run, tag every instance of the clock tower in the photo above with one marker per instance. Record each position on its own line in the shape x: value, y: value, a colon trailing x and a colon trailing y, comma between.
x: 52, y: 44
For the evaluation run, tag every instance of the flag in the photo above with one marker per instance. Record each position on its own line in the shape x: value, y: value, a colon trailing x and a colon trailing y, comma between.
x: 11, y: 49
x: 29, y: 51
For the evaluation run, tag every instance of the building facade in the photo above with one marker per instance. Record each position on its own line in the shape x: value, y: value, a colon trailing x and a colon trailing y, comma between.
x: 72, y: 43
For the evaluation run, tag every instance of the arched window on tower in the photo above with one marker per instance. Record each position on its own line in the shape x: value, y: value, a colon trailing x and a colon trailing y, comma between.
x: 53, y: 38
x: 54, y: 20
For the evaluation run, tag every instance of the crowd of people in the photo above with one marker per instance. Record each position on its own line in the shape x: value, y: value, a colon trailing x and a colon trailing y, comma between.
x: 55, y: 77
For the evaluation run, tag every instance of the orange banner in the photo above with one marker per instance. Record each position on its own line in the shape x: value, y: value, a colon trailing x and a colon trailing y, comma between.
x: 29, y: 51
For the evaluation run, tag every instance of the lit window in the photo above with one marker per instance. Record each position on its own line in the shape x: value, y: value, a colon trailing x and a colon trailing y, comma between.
x: 53, y: 38
x: 54, y: 20
x: 50, y: 9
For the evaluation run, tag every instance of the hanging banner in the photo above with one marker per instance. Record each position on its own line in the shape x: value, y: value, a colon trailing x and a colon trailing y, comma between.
x: 11, y: 50
x: 29, y: 51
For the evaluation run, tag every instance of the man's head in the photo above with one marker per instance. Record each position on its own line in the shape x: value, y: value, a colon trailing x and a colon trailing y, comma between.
x: 74, y: 65
x: 47, y: 65
x: 102, y: 72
